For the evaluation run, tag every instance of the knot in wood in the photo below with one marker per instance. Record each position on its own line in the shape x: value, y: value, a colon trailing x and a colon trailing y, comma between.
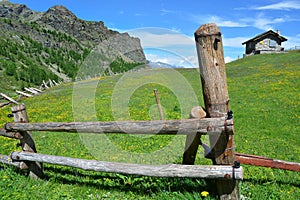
x: 227, y: 176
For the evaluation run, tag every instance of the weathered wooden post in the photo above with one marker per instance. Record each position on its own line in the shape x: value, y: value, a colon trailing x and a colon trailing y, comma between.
x: 160, y: 110
x: 27, y: 143
x: 193, y: 140
x: 213, y: 77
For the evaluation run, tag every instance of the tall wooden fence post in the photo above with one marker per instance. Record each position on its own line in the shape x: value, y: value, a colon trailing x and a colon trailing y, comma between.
x: 213, y: 77
x: 160, y: 110
x: 27, y: 143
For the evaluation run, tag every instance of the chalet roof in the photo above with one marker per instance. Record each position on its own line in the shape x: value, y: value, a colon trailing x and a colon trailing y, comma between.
x: 270, y: 32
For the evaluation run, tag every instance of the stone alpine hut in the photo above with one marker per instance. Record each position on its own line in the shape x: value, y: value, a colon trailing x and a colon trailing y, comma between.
x: 267, y: 42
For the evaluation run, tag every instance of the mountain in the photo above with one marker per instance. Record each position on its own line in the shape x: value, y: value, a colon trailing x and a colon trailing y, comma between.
x: 55, y: 44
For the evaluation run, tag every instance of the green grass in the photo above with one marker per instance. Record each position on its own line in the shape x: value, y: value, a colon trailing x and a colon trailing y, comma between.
x: 264, y: 96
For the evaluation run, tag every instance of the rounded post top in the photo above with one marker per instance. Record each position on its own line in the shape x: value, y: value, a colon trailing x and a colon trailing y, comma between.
x: 208, y: 30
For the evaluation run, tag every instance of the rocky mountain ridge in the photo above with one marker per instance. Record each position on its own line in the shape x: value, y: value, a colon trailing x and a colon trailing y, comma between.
x: 58, y: 43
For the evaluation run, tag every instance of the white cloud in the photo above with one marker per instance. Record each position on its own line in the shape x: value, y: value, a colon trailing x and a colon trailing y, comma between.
x: 225, y: 23
x: 188, y: 62
x: 157, y: 58
x: 228, y: 59
x: 263, y: 22
x: 166, y: 12
x: 284, y: 5
x: 218, y: 20
x: 234, y: 42
x: 158, y: 39
x: 293, y: 41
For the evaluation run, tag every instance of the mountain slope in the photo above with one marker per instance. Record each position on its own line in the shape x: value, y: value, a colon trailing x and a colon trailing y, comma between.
x: 36, y: 46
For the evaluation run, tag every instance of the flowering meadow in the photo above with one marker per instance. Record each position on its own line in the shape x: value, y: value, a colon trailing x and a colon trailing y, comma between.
x: 264, y: 93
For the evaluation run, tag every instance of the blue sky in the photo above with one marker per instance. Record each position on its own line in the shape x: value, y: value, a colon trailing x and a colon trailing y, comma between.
x: 166, y: 27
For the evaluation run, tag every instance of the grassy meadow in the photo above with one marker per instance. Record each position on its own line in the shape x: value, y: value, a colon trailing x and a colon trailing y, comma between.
x: 264, y: 96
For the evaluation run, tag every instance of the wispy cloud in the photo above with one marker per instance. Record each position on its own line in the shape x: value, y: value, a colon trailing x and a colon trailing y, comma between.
x: 234, y: 42
x: 225, y: 23
x: 166, y: 11
x: 217, y: 20
x: 284, y: 5
x: 293, y: 41
x: 190, y: 61
x: 263, y: 22
x: 260, y: 21
x: 161, y: 37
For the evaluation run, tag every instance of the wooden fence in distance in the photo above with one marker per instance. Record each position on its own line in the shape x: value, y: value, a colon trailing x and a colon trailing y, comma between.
x: 29, y: 92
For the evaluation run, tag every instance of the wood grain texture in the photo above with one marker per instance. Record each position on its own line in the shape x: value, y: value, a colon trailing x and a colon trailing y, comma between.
x: 8, y: 98
x: 23, y: 93
x: 13, y: 135
x: 172, y: 170
x: 267, y: 162
x: 160, y: 127
x: 215, y: 92
x: 7, y: 160
x: 27, y: 142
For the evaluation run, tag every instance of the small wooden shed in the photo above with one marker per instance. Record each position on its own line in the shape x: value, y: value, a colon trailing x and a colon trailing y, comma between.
x: 267, y: 42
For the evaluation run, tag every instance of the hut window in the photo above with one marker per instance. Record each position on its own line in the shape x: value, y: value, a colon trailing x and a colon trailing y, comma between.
x: 272, y: 44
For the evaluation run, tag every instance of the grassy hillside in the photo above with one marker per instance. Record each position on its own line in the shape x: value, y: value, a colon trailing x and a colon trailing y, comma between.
x: 264, y: 96
x: 37, y: 46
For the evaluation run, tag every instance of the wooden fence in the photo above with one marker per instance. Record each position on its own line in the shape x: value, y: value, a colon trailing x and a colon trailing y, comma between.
x: 218, y: 125
x: 29, y: 92
x: 31, y: 160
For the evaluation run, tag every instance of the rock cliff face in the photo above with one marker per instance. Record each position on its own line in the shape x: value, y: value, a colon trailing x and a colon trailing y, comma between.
x: 58, y: 42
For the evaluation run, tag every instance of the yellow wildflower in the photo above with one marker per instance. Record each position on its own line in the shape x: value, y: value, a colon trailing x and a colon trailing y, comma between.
x: 204, y: 193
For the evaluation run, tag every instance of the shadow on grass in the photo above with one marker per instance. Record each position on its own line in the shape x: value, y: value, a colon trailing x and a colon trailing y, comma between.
x: 136, y: 184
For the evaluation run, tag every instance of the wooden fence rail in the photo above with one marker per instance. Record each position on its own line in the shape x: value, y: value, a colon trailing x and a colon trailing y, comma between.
x: 161, y: 127
x: 7, y: 160
x: 171, y: 170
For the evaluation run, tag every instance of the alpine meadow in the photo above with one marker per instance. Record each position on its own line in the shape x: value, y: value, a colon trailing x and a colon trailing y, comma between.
x: 264, y: 97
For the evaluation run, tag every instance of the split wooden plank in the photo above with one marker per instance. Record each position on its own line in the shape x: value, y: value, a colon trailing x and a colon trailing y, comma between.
x: 55, y: 82
x: 7, y: 160
x: 14, y: 135
x: 23, y: 93
x: 171, y: 170
x: 38, y: 90
x: 30, y: 90
x: 51, y: 83
x: 4, y: 104
x: 45, y: 84
x: 8, y: 98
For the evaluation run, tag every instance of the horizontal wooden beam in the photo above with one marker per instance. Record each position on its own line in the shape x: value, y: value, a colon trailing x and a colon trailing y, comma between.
x: 38, y: 90
x: 4, y: 104
x: 7, y: 160
x: 30, y: 90
x: 171, y: 170
x: 8, y: 98
x: 266, y: 162
x: 14, y: 135
x: 168, y: 127
x: 23, y: 93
